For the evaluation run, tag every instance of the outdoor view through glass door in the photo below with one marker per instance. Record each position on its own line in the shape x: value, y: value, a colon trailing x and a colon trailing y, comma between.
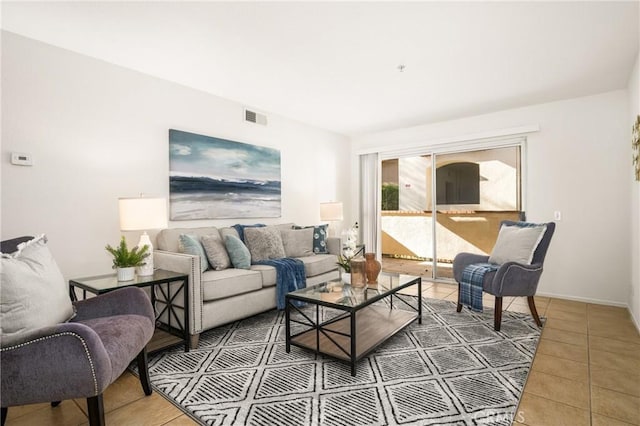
x: 472, y: 192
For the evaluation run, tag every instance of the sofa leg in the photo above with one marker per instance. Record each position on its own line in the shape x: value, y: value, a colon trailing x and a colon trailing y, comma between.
x: 96, y: 410
x: 497, y: 315
x: 459, y: 307
x: 143, y: 371
x: 194, y: 341
x: 5, y: 411
x: 534, y: 311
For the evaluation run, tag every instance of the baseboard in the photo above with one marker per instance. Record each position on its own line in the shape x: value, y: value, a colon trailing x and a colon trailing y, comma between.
x: 584, y: 299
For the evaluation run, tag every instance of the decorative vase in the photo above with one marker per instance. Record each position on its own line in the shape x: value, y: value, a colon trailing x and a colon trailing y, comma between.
x: 372, y: 268
x: 346, y: 277
x: 358, y: 278
x: 126, y: 274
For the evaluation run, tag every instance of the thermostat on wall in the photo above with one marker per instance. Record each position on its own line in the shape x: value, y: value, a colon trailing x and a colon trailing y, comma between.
x: 20, y: 159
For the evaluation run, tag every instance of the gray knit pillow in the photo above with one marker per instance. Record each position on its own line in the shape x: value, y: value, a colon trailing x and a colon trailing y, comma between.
x: 264, y: 243
x: 297, y: 242
x: 216, y: 251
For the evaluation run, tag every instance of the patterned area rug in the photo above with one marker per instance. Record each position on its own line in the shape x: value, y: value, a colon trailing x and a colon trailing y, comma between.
x: 453, y: 369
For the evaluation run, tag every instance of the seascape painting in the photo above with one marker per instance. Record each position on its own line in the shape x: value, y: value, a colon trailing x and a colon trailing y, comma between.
x: 212, y: 178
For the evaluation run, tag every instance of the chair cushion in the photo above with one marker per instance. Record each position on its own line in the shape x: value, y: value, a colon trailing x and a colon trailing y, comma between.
x: 238, y: 252
x: 264, y: 243
x: 33, y: 292
x: 517, y: 244
x: 190, y: 244
x: 297, y: 242
x: 216, y: 251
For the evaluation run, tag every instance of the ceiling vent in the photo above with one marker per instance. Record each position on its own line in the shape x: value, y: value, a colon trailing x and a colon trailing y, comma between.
x: 255, y: 117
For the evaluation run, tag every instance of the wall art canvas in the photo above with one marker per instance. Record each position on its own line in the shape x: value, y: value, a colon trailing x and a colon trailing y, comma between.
x: 213, y: 178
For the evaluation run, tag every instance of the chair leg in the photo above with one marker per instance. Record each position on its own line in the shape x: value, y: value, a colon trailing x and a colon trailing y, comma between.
x: 143, y: 371
x: 96, y: 410
x: 497, y: 315
x: 534, y: 311
x: 459, y: 307
x: 55, y: 403
x: 5, y: 411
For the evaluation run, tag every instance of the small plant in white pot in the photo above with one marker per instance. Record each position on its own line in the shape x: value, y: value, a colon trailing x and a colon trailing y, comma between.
x: 125, y: 260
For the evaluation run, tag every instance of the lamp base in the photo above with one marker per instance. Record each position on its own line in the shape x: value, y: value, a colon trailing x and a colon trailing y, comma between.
x: 147, y: 268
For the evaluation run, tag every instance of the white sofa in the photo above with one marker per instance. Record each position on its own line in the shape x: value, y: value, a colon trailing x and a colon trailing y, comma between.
x: 218, y: 297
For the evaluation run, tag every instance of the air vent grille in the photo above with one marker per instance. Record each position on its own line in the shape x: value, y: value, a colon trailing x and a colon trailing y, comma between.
x: 255, y: 117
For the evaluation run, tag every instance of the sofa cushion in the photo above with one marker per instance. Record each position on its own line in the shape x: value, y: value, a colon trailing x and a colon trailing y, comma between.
x: 297, y: 242
x: 168, y: 239
x: 319, y: 237
x: 238, y: 252
x: 33, y: 292
x: 229, y: 282
x: 319, y: 264
x: 216, y: 251
x: 190, y: 244
x: 269, y: 275
x: 264, y: 243
x: 517, y: 244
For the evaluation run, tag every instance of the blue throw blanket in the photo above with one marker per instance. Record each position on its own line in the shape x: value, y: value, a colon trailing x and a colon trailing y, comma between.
x: 471, y: 284
x: 290, y: 276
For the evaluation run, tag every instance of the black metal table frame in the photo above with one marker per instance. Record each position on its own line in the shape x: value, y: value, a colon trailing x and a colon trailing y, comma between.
x: 350, y: 311
x: 154, y: 284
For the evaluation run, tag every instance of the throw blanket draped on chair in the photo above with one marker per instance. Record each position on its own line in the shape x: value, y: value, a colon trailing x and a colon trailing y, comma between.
x: 290, y: 276
x: 471, y: 284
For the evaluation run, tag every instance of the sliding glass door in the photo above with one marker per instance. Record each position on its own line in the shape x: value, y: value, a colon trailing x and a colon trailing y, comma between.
x: 435, y: 205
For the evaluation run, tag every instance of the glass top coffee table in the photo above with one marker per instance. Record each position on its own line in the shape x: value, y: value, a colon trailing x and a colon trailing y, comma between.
x: 346, y: 323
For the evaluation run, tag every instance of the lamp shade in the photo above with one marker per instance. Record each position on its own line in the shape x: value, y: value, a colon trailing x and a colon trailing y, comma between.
x: 331, y: 211
x: 138, y: 214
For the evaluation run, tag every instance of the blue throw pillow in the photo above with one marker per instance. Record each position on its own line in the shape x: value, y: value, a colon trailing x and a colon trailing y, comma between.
x: 190, y: 244
x: 319, y: 238
x: 238, y: 252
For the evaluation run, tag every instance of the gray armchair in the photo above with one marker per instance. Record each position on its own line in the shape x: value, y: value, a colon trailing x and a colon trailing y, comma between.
x: 82, y: 357
x: 511, y: 278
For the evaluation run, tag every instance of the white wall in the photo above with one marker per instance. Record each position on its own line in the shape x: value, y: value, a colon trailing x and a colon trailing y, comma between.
x: 98, y: 132
x: 634, y: 109
x: 574, y: 166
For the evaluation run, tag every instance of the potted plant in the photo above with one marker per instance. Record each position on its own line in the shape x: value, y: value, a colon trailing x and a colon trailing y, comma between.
x: 125, y: 260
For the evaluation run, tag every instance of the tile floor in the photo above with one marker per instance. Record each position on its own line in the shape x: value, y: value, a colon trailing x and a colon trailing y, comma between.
x: 586, y: 372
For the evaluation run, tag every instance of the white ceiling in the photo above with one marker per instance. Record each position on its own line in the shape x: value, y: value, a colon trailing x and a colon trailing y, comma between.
x: 334, y: 64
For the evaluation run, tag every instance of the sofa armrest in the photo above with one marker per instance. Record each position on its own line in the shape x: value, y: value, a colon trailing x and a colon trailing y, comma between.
x: 334, y: 245
x: 124, y: 301
x: 516, y: 279
x: 462, y: 260
x: 65, y: 361
x: 185, y: 264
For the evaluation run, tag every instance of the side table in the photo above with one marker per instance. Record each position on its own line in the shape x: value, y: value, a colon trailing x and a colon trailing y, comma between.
x: 161, y: 281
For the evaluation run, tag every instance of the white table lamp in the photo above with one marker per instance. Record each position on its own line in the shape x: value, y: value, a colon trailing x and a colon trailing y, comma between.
x: 331, y: 212
x: 140, y: 214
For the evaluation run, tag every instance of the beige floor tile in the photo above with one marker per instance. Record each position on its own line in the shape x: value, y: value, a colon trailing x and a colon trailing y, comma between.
x: 617, y: 405
x: 557, y: 335
x: 151, y: 411
x: 593, y: 308
x: 568, y: 305
x: 65, y: 414
x: 183, y: 420
x: 523, y: 309
x: 574, y: 326
x: 558, y: 389
x: 600, y: 420
x: 537, y: 411
x: 615, y: 361
x: 123, y: 391
x: 618, y: 330
x: 453, y: 297
x: 437, y: 293
x: 563, y: 350
x: 617, y: 380
x: 556, y: 313
x: 21, y: 410
x: 578, y: 371
x: 616, y: 346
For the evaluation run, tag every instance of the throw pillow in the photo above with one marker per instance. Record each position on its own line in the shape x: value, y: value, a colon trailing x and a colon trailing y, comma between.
x: 33, y: 292
x: 517, y: 244
x: 297, y: 242
x: 238, y: 252
x: 216, y: 251
x: 189, y: 244
x: 319, y: 237
x: 264, y: 243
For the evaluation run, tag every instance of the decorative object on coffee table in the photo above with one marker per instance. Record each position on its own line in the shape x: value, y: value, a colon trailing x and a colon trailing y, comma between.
x: 372, y: 268
x: 125, y: 260
x: 358, y: 277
